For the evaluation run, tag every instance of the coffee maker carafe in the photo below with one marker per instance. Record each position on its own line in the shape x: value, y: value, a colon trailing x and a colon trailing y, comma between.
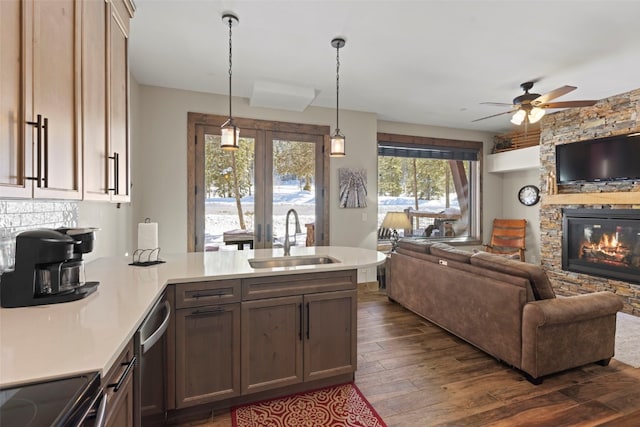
x: 48, y: 268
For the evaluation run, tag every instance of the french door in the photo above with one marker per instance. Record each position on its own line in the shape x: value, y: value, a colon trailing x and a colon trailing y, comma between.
x: 241, y: 198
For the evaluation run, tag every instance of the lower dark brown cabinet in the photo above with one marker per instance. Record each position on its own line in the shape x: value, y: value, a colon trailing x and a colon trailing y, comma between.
x: 207, y: 354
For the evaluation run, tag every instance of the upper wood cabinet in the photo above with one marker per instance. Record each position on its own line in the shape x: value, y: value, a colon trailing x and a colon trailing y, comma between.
x: 41, y: 150
x: 105, y: 89
x: 12, y: 149
x: 63, y: 62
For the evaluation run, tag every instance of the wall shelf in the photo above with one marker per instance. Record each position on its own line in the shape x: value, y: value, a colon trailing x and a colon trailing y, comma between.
x: 514, y: 160
x: 609, y: 198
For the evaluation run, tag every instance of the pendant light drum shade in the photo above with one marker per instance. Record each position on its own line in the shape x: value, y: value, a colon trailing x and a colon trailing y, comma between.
x: 337, y: 139
x: 337, y: 145
x: 230, y: 134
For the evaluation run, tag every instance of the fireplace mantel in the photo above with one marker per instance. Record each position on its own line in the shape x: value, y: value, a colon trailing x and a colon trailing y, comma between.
x: 607, y: 198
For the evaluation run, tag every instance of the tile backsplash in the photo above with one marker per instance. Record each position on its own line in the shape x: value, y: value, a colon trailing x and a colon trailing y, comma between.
x: 21, y: 215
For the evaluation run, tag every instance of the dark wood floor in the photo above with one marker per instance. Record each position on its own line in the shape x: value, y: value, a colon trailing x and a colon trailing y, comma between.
x: 416, y: 374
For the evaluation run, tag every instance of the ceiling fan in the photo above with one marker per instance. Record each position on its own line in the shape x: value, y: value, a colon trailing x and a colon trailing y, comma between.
x: 529, y: 107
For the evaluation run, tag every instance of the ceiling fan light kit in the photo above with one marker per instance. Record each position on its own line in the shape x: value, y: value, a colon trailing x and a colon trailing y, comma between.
x: 532, y: 116
x: 530, y: 107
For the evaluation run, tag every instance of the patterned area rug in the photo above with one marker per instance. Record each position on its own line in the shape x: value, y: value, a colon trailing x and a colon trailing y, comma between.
x: 628, y: 339
x: 336, y: 406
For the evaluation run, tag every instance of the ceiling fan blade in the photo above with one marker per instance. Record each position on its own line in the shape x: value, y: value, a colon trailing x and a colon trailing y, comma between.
x: 556, y: 93
x: 494, y: 115
x: 497, y: 104
x: 568, y: 104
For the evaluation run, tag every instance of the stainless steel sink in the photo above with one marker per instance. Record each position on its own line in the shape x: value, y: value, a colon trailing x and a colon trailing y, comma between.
x: 291, y: 261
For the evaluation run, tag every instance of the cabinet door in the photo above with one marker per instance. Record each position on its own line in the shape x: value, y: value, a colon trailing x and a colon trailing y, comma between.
x: 119, y: 390
x: 13, y: 167
x: 330, y: 334
x: 271, y: 343
x: 207, y: 351
x: 94, y: 100
x: 56, y: 77
x: 119, y: 106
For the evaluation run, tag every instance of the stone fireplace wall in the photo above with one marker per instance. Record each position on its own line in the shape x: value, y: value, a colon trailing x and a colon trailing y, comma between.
x: 616, y: 115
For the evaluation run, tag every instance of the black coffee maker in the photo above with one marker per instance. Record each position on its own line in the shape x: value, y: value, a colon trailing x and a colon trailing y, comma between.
x: 48, y: 268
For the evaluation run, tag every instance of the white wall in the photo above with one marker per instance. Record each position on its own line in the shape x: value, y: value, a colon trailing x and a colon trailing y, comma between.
x: 114, y: 224
x: 512, y: 182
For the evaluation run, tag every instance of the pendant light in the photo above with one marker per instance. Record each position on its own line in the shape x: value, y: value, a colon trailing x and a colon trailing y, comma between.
x: 337, y: 139
x: 229, y: 131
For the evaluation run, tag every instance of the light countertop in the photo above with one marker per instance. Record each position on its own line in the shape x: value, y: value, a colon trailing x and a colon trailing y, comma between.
x: 59, y: 340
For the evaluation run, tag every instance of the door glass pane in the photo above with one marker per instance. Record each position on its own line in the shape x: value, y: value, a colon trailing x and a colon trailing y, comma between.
x: 229, y: 186
x: 294, y: 182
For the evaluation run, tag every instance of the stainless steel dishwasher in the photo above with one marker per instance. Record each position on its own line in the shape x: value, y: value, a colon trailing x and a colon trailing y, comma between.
x: 150, y: 379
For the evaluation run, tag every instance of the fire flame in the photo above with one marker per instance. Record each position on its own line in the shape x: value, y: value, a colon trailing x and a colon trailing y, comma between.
x: 608, y: 242
x: 609, y: 246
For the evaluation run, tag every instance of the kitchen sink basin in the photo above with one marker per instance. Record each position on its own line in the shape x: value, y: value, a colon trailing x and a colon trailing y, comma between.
x: 291, y: 261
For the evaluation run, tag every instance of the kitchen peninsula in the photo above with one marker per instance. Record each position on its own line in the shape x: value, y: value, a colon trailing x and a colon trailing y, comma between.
x: 59, y: 340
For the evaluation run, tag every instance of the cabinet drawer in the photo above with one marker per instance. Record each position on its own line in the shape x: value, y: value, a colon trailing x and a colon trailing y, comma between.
x: 198, y: 294
x: 298, y: 284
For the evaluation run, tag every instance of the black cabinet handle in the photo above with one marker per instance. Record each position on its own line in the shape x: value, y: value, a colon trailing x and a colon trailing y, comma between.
x: 45, y: 179
x: 116, y: 173
x: 38, y: 125
x: 307, y: 320
x: 259, y: 233
x: 268, y: 237
x: 215, y: 310
x: 125, y: 374
x: 217, y: 293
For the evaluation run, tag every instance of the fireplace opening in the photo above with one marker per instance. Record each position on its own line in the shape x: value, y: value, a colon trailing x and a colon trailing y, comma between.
x: 602, y: 242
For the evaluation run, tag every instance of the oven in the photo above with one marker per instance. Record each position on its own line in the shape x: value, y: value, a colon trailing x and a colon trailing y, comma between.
x: 150, y: 379
x: 67, y: 402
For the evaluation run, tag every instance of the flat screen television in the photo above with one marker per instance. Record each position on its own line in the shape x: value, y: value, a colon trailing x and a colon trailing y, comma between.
x: 615, y: 158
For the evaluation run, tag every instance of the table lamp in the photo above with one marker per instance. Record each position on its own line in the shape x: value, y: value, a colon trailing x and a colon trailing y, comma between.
x: 393, y: 221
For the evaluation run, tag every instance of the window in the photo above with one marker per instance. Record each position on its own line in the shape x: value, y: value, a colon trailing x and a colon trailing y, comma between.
x: 435, y: 182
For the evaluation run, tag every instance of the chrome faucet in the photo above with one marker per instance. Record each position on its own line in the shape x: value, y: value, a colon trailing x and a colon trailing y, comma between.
x: 287, y: 244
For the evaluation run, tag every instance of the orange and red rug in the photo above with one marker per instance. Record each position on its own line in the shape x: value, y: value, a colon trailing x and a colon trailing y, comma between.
x: 338, y: 406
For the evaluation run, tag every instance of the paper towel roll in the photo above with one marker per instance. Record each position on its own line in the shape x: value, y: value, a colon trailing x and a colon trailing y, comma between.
x: 148, y: 235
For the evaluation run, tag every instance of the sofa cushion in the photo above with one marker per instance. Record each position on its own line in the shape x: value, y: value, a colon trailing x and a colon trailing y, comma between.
x: 540, y: 284
x: 449, y: 252
x: 415, y: 245
x: 419, y: 255
x: 514, y: 255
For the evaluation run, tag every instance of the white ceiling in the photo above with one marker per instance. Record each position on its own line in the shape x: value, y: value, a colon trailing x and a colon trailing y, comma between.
x: 426, y: 62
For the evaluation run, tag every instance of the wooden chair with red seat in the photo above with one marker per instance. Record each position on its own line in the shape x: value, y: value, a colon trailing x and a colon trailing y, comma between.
x: 508, y: 237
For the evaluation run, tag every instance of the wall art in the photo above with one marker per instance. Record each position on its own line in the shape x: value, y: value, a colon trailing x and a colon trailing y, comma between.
x: 353, y: 188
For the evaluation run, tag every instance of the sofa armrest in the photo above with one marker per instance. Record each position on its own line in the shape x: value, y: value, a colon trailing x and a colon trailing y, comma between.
x: 564, y: 333
x: 571, y: 309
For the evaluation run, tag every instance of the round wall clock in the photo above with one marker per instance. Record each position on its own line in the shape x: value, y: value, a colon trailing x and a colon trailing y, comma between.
x: 529, y: 195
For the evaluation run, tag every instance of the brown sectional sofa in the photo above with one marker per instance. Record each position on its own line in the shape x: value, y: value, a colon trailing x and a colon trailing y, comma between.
x: 504, y: 307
